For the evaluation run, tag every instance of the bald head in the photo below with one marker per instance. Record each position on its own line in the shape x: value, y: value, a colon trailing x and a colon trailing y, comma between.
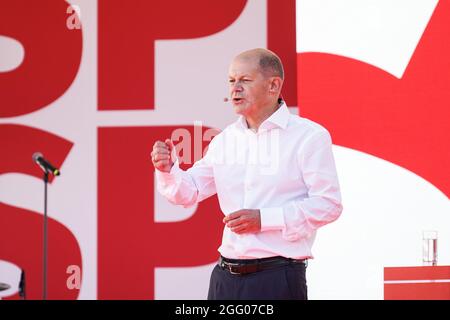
x: 269, y: 63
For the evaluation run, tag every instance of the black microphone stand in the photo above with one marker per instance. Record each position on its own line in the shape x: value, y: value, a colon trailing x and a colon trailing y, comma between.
x: 44, y: 258
x: 47, y: 168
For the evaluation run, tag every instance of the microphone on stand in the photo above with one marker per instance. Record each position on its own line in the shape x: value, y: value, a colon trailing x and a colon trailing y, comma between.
x: 47, y: 167
x: 45, y: 164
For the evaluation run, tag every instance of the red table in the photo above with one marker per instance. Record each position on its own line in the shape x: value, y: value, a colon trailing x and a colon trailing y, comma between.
x: 417, y: 283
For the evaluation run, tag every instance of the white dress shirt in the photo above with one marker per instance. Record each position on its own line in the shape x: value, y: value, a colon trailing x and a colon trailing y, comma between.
x: 286, y: 170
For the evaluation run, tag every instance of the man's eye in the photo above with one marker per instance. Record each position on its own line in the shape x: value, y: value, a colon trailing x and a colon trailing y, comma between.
x: 246, y: 80
x: 231, y: 81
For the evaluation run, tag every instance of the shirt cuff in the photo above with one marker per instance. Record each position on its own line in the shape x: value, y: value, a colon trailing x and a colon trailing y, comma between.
x: 272, y: 219
x: 167, y: 178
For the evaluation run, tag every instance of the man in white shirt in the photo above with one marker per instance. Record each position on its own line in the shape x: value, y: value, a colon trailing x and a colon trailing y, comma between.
x: 276, y: 181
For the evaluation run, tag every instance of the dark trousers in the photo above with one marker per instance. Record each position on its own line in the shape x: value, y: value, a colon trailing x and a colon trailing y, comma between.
x: 280, y: 283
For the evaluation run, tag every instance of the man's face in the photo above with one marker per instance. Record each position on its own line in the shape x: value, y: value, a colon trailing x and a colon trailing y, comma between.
x: 249, y: 89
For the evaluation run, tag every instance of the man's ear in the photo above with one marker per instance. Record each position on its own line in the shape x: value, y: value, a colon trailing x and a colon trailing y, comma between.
x: 275, y: 84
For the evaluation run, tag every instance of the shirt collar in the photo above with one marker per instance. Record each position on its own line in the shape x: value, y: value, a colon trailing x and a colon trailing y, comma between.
x: 278, y: 119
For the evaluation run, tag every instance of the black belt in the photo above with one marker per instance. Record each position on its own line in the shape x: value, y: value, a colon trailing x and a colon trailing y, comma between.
x: 238, y: 266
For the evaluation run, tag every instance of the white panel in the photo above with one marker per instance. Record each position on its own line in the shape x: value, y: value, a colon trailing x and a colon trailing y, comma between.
x: 386, y: 208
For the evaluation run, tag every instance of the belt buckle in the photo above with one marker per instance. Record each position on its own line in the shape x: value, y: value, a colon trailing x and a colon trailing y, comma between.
x: 230, y: 266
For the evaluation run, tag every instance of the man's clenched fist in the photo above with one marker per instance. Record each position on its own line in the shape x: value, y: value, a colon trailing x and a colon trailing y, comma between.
x: 162, y: 155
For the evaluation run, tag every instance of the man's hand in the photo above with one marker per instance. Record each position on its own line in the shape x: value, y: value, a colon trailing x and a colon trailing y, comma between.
x: 162, y: 155
x: 244, y: 221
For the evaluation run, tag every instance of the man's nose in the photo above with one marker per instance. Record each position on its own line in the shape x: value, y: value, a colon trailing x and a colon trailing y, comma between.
x: 236, y: 87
